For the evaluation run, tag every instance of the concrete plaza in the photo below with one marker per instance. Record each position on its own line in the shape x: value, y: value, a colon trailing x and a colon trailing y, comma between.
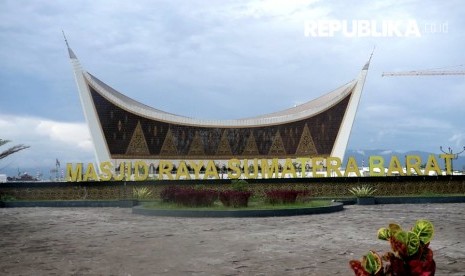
x: 113, y: 241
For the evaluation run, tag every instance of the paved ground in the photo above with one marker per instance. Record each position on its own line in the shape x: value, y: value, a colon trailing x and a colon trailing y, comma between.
x: 112, y: 241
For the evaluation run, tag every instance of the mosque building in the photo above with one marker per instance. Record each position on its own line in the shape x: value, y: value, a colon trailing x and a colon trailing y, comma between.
x: 124, y: 130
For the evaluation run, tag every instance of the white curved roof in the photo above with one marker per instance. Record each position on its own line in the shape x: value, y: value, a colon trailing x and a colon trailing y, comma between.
x: 302, y: 111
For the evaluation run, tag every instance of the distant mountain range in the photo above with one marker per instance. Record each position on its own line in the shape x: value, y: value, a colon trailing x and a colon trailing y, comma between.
x: 362, y: 156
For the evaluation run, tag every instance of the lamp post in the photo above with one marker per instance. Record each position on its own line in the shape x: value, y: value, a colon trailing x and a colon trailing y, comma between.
x: 454, y: 156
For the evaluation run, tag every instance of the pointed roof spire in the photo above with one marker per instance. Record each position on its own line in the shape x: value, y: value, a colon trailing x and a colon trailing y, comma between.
x: 368, y: 62
x: 70, y: 52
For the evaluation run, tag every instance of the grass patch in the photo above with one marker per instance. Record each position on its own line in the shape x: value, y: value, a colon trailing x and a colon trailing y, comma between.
x: 253, y: 205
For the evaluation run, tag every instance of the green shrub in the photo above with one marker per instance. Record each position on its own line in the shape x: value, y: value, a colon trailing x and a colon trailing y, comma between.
x: 363, y: 191
x: 141, y: 193
x: 7, y: 198
x: 239, y: 184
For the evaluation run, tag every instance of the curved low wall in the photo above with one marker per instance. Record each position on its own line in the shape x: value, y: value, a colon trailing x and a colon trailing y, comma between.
x: 140, y: 210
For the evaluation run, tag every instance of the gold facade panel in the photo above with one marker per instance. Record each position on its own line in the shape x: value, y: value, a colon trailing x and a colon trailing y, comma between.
x: 196, y: 148
x: 306, y: 146
x: 223, y: 148
x: 251, y: 148
x: 168, y: 148
x: 277, y: 148
x: 138, y: 145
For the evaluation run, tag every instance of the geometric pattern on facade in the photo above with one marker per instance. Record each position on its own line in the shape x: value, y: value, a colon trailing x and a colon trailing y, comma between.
x: 306, y: 145
x: 168, y: 146
x: 251, y: 148
x: 132, y: 136
x: 277, y: 148
x: 138, y: 143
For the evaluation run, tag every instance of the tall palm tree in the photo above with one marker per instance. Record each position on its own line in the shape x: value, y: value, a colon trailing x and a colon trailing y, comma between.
x: 11, y: 150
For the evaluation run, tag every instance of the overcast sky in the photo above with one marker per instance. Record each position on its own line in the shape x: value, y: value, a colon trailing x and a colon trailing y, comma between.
x: 226, y: 60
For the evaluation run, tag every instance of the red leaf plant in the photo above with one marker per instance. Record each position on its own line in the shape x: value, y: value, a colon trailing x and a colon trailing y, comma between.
x: 189, y: 197
x: 410, y: 254
x: 235, y: 198
x: 168, y: 193
x: 283, y: 196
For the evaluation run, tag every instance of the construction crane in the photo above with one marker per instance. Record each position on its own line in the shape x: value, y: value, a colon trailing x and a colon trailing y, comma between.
x: 430, y: 72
